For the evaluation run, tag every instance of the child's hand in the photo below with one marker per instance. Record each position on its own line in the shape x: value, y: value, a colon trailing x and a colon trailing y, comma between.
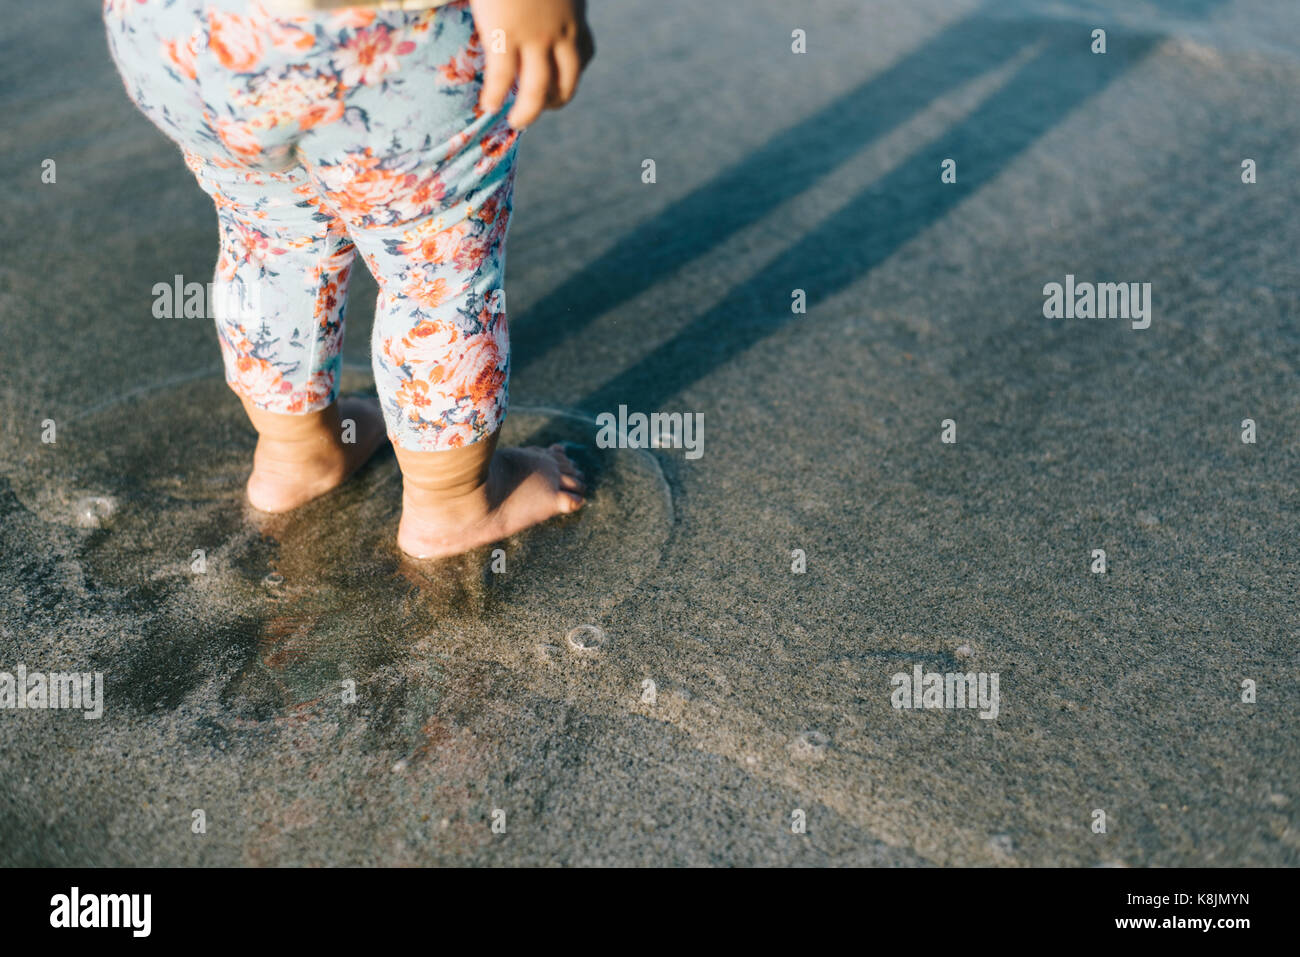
x: 546, y: 43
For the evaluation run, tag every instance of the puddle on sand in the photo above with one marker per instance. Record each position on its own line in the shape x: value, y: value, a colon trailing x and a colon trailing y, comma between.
x: 274, y: 613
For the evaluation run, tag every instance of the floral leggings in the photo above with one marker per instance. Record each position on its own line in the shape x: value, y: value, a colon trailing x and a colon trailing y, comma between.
x: 318, y: 135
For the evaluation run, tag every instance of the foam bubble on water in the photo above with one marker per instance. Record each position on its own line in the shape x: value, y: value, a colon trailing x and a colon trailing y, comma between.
x: 809, y: 746
x: 585, y: 638
x: 94, y: 511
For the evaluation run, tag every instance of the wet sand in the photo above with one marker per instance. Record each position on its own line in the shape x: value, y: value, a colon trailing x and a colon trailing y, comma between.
x: 480, y: 696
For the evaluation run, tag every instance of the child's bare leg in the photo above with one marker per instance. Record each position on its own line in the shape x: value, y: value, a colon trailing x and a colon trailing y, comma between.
x: 459, y: 499
x: 300, y: 457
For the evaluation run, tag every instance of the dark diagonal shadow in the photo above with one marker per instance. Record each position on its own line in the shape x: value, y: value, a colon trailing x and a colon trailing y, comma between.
x: 870, y: 226
x: 746, y: 192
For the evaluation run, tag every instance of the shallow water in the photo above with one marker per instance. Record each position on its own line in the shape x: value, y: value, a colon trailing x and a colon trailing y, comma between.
x: 723, y: 691
x: 298, y: 604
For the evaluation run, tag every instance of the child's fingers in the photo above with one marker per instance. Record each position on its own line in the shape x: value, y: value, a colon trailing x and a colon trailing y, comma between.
x: 568, y: 64
x: 534, y: 84
x: 498, y: 76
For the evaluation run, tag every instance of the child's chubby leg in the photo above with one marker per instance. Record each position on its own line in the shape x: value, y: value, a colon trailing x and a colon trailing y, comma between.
x: 301, y: 457
x: 282, y: 282
x: 441, y: 357
x: 226, y: 83
x: 461, y: 498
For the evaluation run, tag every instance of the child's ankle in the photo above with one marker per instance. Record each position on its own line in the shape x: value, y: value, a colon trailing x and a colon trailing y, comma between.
x: 305, y: 429
x: 452, y: 483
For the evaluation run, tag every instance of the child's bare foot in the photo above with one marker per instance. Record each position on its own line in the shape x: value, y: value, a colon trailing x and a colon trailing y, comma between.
x: 300, y: 457
x: 457, y: 500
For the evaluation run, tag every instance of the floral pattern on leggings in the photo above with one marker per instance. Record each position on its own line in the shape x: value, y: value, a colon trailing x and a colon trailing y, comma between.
x: 326, y: 134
